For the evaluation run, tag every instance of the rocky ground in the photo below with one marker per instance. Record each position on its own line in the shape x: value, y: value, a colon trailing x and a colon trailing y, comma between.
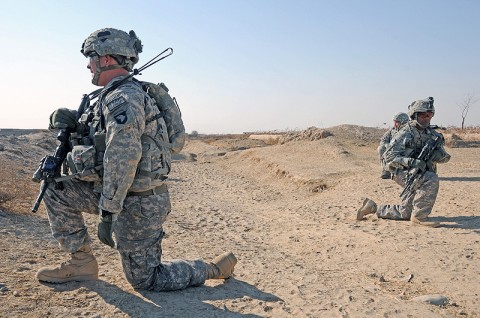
x: 287, y: 209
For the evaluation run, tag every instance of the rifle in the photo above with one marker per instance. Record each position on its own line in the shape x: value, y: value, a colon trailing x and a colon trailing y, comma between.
x: 437, y: 127
x: 415, y: 174
x: 49, y: 167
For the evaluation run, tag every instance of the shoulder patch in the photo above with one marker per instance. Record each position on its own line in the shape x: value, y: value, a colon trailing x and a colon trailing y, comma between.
x: 114, y: 104
x: 121, y: 118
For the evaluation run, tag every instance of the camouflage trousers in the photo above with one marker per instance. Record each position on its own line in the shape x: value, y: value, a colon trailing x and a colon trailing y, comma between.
x: 420, y: 203
x: 138, y: 231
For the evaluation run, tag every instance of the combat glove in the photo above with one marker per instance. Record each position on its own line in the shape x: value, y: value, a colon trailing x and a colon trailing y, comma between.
x: 64, y: 118
x: 417, y: 164
x: 105, y: 228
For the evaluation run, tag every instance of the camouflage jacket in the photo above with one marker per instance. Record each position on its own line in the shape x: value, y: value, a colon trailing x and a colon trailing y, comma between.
x: 127, y: 117
x: 408, y: 143
x: 386, y: 139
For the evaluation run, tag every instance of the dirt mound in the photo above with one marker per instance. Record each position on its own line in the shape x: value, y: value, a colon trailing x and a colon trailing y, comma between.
x: 310, y: 134
x: 345, y: 132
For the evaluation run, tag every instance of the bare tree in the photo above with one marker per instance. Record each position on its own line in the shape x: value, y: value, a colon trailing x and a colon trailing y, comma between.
x: 465, y: 105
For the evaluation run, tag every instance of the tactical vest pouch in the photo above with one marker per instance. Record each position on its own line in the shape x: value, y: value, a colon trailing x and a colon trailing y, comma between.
x: 82, y: 163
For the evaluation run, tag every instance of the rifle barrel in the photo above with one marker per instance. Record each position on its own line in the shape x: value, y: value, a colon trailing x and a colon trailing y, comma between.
x: 40, y: 196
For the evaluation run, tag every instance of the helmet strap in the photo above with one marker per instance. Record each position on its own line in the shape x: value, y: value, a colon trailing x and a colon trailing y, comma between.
x: 415, y: 120
x: 100, y: 69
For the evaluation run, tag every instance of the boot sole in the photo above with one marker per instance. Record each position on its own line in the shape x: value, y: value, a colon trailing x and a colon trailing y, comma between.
x: 82, y: 278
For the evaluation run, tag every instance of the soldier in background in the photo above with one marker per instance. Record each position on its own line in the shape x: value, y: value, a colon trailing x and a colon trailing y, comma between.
x: 125, y: 135
x: 399, y: 120
x: 400, y: 157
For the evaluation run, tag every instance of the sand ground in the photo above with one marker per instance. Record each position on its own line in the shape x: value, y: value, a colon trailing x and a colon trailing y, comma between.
x: 287, y: 211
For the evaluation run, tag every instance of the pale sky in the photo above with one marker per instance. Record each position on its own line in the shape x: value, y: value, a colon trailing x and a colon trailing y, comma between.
x: 253, y: 65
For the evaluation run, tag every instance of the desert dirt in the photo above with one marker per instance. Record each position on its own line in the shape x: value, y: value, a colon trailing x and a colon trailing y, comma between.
x: 287, y: 209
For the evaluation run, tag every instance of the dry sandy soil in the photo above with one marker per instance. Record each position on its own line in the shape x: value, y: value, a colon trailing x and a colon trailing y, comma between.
x: 287, y: 210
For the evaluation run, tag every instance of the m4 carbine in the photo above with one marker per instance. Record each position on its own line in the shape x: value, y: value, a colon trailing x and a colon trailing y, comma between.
x: 50, y: 166
x: 415, y: 174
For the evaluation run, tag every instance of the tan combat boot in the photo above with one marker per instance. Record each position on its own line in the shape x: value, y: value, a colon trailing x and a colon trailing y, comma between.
x: 368, y: 207
x: 82, y: 266
x: 222, y: 266
x: 424, y: 222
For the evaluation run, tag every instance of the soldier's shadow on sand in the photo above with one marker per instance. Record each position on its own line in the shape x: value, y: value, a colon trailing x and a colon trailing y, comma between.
x: 460, y: 179
x: 190, y: 302
x: 459, y: 222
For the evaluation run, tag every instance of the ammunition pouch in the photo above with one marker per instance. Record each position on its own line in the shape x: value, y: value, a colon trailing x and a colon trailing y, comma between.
x: 82, y: 163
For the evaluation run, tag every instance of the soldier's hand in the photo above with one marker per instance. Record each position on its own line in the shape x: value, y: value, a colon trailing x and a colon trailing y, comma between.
x: 105, y: 229
x: 63, y: 118
x: 418, y: 164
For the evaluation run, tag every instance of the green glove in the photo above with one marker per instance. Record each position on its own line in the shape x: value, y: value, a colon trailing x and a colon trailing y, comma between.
x: 105, y: 229
x: 63, y: 118
x: 418, y: 164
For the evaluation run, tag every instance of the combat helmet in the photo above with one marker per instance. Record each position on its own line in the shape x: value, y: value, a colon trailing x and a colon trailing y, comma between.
x: 122, y: 46
x: 402, y: 118
x: 421, y: 106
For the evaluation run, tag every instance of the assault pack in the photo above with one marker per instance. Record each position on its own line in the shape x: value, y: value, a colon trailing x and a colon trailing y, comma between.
x: 170, y: 111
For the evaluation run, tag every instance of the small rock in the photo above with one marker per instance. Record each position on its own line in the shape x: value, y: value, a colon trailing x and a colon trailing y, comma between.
x: 409, y: 278
x: 267, y: 308
x: 438, y: 300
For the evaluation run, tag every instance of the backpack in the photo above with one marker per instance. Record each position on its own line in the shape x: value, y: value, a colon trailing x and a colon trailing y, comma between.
x: 170, y: 112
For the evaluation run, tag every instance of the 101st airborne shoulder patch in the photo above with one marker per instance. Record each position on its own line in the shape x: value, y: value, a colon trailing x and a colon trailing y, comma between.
x: 121, y: 118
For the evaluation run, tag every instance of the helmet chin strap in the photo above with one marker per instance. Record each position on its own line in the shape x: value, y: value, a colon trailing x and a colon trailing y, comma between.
x: 418, y: 123
x: 99, y: 69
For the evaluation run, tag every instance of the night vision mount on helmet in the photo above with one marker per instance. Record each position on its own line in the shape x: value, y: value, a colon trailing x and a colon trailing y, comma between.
x: 421, y: 106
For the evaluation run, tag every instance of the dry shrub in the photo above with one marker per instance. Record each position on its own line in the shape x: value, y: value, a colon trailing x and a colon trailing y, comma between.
x: 457, y: 137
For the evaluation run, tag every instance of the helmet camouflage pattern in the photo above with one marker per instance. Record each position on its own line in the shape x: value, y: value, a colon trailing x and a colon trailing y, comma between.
x: 421, y: 106
x: 110, y: 41
x: 402, y: 118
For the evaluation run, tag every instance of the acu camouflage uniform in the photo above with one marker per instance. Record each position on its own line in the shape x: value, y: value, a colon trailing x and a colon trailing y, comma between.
x: 126, y: 117
x: 407, y: 144
x: 401, y: 119
x: 384, y: 142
